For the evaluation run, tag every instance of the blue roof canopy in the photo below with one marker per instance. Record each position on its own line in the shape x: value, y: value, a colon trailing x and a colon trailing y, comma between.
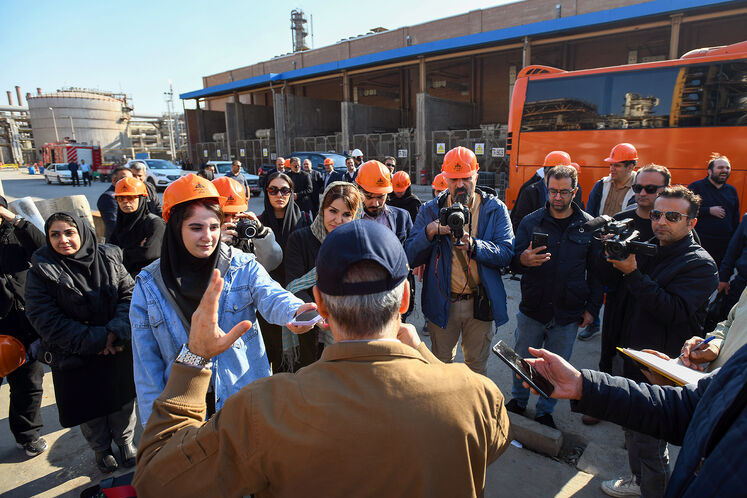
x: 652, y: 8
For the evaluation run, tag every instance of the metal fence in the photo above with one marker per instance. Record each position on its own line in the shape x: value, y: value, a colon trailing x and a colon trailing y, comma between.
x: 489, y: 144
x: 400, y: 145
x: 326, y: 143
x: 255, y: 153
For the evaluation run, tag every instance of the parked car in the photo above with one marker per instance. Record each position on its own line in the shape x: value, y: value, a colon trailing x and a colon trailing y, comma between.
x: 317, y: 160
x: 159, y: 172
x: 57, y: 173
x: 223, y: 167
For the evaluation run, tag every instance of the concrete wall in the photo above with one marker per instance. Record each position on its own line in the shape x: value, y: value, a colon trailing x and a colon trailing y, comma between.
x: 243, y: 120
x: 297, y: 116
x: 438, y: 114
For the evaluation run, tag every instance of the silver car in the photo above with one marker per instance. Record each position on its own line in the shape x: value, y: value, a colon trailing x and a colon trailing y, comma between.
x: 159, y: 172
x: 57, y: 173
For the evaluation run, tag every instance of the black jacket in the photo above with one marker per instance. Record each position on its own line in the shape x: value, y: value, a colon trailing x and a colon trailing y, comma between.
x: 17, y: 245
x: 708, y: 420
x: 154, y: 203
x: 409, y: 202
x: 317, y: 184
x: 566, y: 285
x: 303, y: 188
x: 60, y: 314
x: 335, y: 176
x: 150, y: 229
x: 300, y: 257
x: 662, y: 303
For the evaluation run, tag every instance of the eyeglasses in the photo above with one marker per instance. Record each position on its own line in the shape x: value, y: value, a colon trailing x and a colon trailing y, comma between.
x: 563, y: 193
x: 650, y: 189
x: 284, y: 191
x: 671, y: 216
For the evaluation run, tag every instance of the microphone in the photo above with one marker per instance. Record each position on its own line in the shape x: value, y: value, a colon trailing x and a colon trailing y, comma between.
x: 596, y: 223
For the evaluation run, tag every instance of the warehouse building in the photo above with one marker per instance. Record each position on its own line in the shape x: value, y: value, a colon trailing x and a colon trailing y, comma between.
x: 416, y: 91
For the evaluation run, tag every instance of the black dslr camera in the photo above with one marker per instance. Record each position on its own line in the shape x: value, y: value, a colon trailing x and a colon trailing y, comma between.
x: 455, y: 217
x: 623, y: 242
x: 247, y: 229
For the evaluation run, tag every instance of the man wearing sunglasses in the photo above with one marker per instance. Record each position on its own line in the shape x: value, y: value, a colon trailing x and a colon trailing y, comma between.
x: 719, y: 212
x: 660, y: 302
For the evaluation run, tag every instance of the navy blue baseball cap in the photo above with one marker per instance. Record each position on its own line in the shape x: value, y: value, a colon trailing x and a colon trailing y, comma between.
x: 359, y: 240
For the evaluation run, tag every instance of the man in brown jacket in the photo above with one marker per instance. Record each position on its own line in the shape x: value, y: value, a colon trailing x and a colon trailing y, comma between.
x: 377, y: 415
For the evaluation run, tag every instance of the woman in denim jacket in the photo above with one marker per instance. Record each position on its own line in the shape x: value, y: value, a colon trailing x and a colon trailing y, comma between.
x: 168, y: 291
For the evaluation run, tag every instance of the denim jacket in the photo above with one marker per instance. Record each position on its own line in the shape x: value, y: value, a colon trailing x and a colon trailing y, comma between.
x: 158, y: 332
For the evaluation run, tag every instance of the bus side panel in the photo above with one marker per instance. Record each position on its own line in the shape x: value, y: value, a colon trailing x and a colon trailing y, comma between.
x: 514, y: 122
x: 685, y: 151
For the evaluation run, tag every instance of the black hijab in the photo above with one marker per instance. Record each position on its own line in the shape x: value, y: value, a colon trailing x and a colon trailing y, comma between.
x: 127, y: 232
x: 87, y: 268
x: 292, y: 216
x: 185, y: 276
x: 5, y: 227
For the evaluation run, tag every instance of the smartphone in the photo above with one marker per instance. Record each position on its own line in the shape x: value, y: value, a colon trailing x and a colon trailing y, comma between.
x: 519, y: 365
x: 538, y: 240
x: 309, y: 317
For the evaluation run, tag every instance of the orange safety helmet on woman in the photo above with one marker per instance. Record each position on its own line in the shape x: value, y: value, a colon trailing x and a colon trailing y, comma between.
x: 12, y: 354
x: 439, y: 183
x: 130, y: 186
x: 234, y: 193
x: 374, y: 177
x: 557, y: 158
x: 401, y: 181
x: 185, y: 189
x: 622, y: 153
x: 459, y: 162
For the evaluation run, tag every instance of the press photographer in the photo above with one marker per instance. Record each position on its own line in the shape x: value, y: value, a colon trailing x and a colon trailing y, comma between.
x: 659, y: 303
x: 242, y: 229
x: 462, y: 288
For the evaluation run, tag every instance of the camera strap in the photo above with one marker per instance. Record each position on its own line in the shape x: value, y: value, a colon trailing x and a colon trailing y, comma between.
x: 465, y: 268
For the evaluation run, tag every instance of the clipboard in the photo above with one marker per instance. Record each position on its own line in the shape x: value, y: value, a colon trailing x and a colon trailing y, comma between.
x: 672, y: 369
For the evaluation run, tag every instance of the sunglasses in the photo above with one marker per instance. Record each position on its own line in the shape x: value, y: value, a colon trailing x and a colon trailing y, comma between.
x: 279, y: 191
x: 671, y: 216
x: 650, y: 189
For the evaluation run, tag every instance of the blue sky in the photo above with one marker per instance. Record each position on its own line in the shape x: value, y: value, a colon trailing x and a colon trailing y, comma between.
x: 136, y: 46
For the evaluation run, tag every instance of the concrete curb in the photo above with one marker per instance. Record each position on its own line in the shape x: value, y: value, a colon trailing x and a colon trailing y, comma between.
x: 535, y: 436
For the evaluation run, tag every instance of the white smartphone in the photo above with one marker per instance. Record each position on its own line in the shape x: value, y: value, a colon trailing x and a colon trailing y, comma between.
x: 309, y: 317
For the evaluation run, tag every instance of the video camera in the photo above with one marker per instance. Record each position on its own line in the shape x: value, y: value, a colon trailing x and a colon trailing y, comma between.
x: 455, y: 217
x: 623, y: 242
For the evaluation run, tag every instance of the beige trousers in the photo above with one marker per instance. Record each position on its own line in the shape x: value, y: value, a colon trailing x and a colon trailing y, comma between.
x: 476, y: 337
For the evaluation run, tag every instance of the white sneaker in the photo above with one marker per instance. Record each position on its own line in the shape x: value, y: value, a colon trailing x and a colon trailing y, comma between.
x: 621, y: 487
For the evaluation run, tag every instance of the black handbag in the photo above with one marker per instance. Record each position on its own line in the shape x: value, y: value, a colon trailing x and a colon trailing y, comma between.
x: 482, y: 310
x: 716, y: 312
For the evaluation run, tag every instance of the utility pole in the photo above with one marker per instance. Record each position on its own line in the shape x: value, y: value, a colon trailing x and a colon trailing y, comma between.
x: 169, y: 101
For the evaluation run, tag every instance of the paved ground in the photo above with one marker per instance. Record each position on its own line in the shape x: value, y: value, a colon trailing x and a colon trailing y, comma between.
x: 68, y: 466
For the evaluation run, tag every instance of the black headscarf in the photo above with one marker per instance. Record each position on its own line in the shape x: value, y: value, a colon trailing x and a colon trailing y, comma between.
x: 126, y: 234
x: 4, y: 225
x: 87, y: 268
x: 185, y: 276
x: 291, y: 219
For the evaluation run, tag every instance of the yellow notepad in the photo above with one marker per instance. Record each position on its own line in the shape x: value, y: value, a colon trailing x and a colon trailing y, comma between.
x: 672, y: 369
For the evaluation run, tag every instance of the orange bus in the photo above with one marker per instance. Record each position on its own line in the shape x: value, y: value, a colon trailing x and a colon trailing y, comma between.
x: 675, y: 112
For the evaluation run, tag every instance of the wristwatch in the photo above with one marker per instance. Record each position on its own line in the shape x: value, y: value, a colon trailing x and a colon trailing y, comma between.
x: 187, y: 357
x: 17, y: 220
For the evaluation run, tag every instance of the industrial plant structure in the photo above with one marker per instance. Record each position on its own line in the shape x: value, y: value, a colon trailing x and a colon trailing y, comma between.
x: 414, y: 92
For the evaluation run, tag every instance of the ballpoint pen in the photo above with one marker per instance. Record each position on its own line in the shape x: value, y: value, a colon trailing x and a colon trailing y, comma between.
x: 699, y: 346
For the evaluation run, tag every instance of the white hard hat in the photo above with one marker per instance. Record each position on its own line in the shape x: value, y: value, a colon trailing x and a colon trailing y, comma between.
x: 356, y: 153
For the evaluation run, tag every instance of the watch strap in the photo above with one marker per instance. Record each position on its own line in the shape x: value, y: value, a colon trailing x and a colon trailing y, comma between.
x: 187, y: 357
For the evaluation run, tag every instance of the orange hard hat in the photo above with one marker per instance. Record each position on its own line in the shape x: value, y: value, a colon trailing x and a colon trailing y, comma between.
x: 557, y: 158
x: 234, y: 194
x: 330, y: 161
x: 130, y: 186
x: 187, y: 188
x: 439, y: 183
x: 459, y: 162
x: 287, y: 163
x: 577, y: 167
x: 401, y: 181
x: 12, y: 354
x: 374, y: 177
x: 622, y: 152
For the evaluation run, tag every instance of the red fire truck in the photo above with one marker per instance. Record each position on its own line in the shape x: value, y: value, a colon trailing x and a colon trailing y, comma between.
x: 66, y: 151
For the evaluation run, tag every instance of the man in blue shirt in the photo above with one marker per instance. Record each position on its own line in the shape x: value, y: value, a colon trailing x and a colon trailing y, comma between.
x: 719, y: 211
x: 237, y: 175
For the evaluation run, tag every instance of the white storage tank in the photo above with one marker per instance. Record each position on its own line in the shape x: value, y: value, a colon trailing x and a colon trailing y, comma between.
x: 98, y: 118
